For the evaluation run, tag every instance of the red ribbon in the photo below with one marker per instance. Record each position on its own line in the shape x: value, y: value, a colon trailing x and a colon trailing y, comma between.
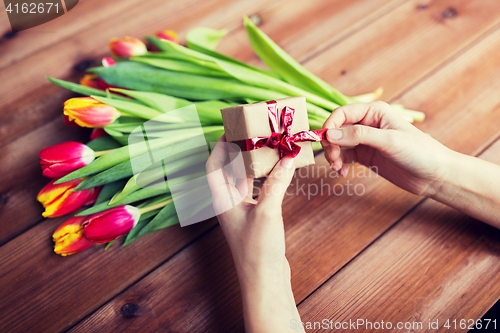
x: 285, y: 142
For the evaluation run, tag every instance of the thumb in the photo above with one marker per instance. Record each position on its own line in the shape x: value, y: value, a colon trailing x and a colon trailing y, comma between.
x: 276, y: 184
x: 359, y: 134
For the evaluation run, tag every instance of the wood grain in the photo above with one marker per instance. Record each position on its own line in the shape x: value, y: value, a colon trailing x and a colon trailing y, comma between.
x: 440, y: 264
x: 324, y: 234
x: 408, y: 43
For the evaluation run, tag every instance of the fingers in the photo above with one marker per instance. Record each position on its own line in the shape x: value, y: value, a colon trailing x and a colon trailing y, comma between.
x: 224, y: 195
x: 359, y: 134
x: 245, y: 188
x: 215, y: 165
x: 276, y: 184
x: 376, y: 114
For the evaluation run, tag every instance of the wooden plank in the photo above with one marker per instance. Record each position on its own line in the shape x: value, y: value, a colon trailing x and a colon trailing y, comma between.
x: 331, y: 231
x: 331, y: 21
x: 440, y: 264
x: 409, y: 43
x: 86, y: 14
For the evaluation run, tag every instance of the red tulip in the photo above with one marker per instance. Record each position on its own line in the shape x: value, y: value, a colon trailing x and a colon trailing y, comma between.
x: 109, y: 225
x: 108, y: 62
x: 64, y: 158
x: 60, y: 199
x: 168, y: 35
x: 127, y: 47
x: 69, y: 237
x: 88, y: 112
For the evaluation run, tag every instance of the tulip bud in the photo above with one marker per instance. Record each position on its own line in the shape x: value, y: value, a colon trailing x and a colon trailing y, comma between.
x: 59, y: 160
x: 127, y: 47
x: 88, y: 112
x: 109, y: 225
x: 108, y: 62
x: 168, y: 35
x: 69, y: 237
x: 60, y: 199
x: 91, y: 81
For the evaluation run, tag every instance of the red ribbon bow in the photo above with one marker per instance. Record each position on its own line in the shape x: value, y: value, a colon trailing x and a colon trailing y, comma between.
x: 285, y: 142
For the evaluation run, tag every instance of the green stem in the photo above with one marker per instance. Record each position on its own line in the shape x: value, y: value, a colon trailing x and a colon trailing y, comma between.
x: 102, y: 152
x: 155, y: 207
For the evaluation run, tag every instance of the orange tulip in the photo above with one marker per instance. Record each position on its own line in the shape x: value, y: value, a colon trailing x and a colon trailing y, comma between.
x: 60, y: 199
x: 69, y: 238
x: 88, y: 112
x: 127, y: 47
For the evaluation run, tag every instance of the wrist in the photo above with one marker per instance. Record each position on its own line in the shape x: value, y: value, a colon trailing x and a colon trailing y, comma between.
x: 443, y: 176
x: 448, y: 179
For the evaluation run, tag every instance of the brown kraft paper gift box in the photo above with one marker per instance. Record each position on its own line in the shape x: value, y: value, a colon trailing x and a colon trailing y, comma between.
x: 247, y: 121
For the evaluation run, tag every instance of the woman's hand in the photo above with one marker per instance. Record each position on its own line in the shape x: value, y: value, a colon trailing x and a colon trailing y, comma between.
x: 255, y: 234
x: 401, y: 153
x: 412, y: 159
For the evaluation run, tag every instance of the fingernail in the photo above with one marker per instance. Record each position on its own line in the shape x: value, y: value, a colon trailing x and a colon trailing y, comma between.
x: 287, y: 162
x: 334, y: 134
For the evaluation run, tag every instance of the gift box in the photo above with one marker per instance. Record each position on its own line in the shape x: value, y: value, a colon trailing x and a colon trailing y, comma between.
x: 264, y: 132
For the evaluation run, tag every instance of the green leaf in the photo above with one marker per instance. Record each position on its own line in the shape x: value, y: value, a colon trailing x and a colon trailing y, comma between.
x: 78, y: 88
x: 109, y: 190
x: 252, y: 77
x: 193, y: 45
x: 160, y: 102
x: 160, y: 170
x: 122, y: 154
x: 143, y: 77
x: 166, y: 217
x: 204, y: 38
x: 180, y: 66
x: 208, y: 111
x: 283, y: 64
x: 103, y: 143
x: 142, y: 194
x: 132, y: 235
x: 138, y: 110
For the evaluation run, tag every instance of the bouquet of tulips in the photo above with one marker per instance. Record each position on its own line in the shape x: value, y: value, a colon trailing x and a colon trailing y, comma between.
x: 144, y: 83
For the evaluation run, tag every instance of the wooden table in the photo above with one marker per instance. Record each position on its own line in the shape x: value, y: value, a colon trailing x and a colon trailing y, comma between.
x: 385, y: 255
